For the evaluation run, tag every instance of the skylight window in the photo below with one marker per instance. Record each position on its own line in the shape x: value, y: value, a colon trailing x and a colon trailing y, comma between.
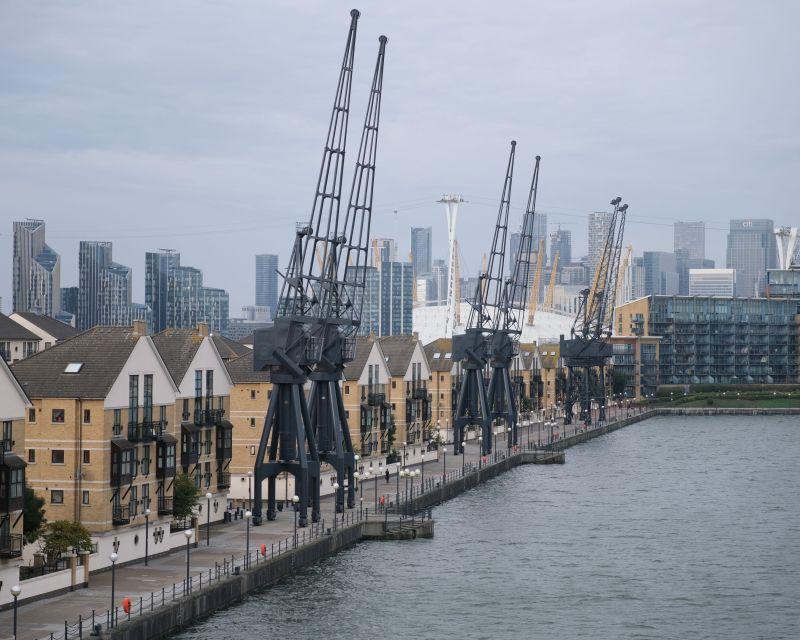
x: 448, y: 354
x: 437, y: 355
x: 73, y: 367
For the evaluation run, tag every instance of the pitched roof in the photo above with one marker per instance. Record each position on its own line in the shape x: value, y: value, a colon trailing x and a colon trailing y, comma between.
x: 527, y: 352
x: 444, y: 361
x: 398, y: 351
x: 229, y: 349
x: 248, y: 340
x: 353, y: 369
x: 177, y: 348
x: 101, y: 352
x: 10, y: 330
x: 59, y: 330
x: 241, y: 370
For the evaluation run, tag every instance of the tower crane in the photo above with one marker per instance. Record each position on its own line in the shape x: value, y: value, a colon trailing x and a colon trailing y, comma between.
x: 313, y: 333
x: 588, y: 350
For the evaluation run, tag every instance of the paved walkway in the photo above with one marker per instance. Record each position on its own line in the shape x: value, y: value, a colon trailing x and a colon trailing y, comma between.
x: 40, y: 619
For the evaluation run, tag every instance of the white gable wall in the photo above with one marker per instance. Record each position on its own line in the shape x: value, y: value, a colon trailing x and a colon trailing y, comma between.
x: 375, y: 358
x: 47, y: 339
x: 13, y: 401
x: 205, y: 358
x: 144, y: 359
x: 418, y: 356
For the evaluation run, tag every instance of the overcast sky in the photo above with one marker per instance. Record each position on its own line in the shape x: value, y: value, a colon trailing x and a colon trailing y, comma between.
x: 199, y: 126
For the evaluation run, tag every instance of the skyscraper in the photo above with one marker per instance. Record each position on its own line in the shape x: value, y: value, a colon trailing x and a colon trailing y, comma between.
x: 539, y: 234
x: 421, y: 250
x: 689, y: 240
x: 36, y: 270
x: 561, y: 243
x: 599, y: 223
x: 383, y: 250
x: 660, y: 273
x: 387, y: 305
x: 69, y: 300
x: 267, y: 282
x: 177, y: 296
x: 751, y: 251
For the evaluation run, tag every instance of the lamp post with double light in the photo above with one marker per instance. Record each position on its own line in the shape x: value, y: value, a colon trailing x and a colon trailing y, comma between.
x: 295, y: 500
x: 16, y: 590
x: 113, y: 557
x: 188, y: 533
x: 249, y: 490
x: 208, y: 518
x: 247, y: 516
x: 146, y: 535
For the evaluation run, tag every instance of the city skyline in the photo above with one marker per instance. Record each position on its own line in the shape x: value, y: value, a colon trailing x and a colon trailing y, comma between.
x: 196, y: 171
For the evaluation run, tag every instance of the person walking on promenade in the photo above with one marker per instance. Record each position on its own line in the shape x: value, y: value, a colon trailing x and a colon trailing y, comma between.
x: 387, y: 474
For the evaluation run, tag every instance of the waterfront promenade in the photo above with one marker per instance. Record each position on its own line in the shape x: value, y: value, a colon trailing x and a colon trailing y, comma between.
x: 57, y: 617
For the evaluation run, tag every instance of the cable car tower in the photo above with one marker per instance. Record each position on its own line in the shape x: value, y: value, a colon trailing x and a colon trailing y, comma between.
x: 317, y: 317
x: 588, y: 351
x: 508, y: 321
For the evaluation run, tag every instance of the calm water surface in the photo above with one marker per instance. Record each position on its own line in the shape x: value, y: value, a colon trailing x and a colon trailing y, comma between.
x: 673, y: 528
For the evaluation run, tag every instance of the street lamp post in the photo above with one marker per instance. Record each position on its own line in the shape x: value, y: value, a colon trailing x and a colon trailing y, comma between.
x: 146, y: 535
x: 375, y: 477
x: 361, y: 509
x: 16, y: 590
x: 508, y: 434
x: 249, y: 490
x: 444, y: 463
x: 188, y: 533
x: 480, y: 451
x: 247, y: 515
x: 463, y: 459
x: 335, y: 494
x: 113, y: 557
x: 295, y: 500
x: 208, y: 518
x: 397, y: 496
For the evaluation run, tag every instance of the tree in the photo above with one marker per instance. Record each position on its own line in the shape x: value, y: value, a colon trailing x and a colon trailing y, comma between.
x: 33, y: 517
x: 185, y: 496
x: 62, y: 535
x: 619, y: 382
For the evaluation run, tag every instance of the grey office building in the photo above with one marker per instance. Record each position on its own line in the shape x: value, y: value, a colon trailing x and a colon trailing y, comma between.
x: 36, y: 271
x: 178, y: 298
x: 421, y: 250
x: 599, y: 223
x: 690, y: 240
x: 267, y: 282
x: 660, y: 273
x: 751, y: 251
x: 561, y: 244
x: 387, y: 305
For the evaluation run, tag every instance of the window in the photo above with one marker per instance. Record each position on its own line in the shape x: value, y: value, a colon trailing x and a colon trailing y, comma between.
x: 58, y: 416
x: 87, y: 416
x: 134, y: 502
x: 252, y: 450
x: 31, y: 415
x: 347, y: 389
x: 207, y: 474
x: 252, y: 423
x: 253, y: 393
x: 56, y: 496
x: 8, y: 438
x: 269, y: 394
x: 16, y: 486
x: 145, y: 497
x: 198, y: 394
x: 133, y: 399
x: 31, y: 456
x: 145, y: 463
x: 162, y: 414
x: 394, y: 384
x: 86, y: 456
x: 57, y: 456
x: 85, y: 497
x: 117, y: 421
x: 73, y: 367
x: 209, y: 388
x: 148, y: 397
x: 185, y: 414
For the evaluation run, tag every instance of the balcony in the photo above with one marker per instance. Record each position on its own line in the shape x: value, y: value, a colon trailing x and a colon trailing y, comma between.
x: 141, y: 431
x: 11, y: 545
x: 420, y: 393
x: 164, y: 505
x: 223, y: 480
x: 120, y: 515
x: 376, y: 397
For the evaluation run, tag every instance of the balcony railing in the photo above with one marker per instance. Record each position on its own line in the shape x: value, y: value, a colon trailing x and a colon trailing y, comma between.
x: 121, y: 515
x: 11, y: 545
x: 420, y: 393
x: 223, y: 480
x: 164, y: 505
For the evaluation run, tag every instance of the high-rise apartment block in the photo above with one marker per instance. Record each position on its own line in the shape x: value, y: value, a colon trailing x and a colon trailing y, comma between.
x: 104, y: 293
x: 599, y: 223
x: 267, y: 281
x: 421, y: 250
x: 561, y: 244
x: 388, y: 299
x: 751, y: 251
x: 36, y: 270
x: 712, y: 282
x: 178, y: 298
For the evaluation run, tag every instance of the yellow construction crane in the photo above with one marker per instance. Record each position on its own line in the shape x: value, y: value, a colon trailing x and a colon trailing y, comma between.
x: 622, y: 276
x: 548, y: 296
x: 534, y: 299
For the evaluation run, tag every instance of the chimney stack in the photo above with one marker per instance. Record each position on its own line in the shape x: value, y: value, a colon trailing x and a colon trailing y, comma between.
x: 202, y: 329
x: 139, y: 328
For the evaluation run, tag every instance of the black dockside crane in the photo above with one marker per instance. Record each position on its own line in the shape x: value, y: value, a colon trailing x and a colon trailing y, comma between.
x: 318, y: 315
x: 588, y: 351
